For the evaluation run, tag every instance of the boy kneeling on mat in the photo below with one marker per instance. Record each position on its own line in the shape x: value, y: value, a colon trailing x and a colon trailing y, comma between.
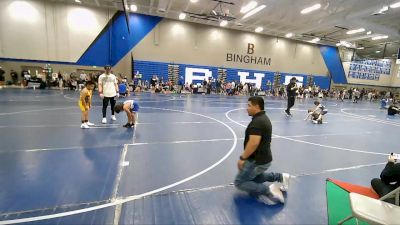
x: 131, y: 108
x: 316, y: 114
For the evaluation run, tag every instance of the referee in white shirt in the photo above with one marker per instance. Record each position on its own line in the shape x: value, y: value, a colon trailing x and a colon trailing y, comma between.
x: 108, y: 89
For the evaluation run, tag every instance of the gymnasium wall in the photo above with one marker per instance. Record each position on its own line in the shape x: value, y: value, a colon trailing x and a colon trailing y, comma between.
x: 71, y: 36
x: 33, y: 33
x: 153, y: 40
x: 198, y: 46
x: 45, y: 30
x: 189, y: 43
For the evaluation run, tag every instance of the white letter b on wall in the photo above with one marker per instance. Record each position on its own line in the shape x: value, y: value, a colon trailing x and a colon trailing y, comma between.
x: 190, y: 77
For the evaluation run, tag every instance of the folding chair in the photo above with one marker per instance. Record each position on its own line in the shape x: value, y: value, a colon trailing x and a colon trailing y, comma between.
x: 374, y: 211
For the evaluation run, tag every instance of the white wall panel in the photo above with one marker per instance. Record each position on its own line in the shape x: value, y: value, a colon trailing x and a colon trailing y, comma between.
x: 44, y: 30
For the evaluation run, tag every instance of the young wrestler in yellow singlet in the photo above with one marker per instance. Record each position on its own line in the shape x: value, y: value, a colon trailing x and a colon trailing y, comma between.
x: 85, y: 103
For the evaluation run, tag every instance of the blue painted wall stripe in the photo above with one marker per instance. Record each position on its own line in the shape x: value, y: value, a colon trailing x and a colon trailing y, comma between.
x: 115, y: 41
x: 333, y: 63
x: 323, y: 82
x: 149, y: 68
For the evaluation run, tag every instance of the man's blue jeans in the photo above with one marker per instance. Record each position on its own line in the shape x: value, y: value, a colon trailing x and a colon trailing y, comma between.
x: 251, y: 178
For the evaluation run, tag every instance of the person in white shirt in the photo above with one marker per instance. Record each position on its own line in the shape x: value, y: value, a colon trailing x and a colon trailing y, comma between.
x: 83, y: 76
x: 82, y: 80
x: 108, y: 89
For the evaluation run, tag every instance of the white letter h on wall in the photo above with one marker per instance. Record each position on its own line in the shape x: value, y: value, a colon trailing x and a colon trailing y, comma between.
x: 257, y: 81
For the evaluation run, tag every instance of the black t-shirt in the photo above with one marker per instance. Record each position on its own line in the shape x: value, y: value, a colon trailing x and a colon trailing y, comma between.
x: 392, y: 110
x: 289, y: 90
x: 391, y: 173
x: 260, y: 125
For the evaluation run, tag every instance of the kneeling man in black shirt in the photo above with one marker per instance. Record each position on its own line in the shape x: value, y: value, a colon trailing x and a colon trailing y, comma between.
x: 257, y: 158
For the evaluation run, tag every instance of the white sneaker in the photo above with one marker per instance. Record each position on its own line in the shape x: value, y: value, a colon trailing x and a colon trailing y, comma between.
x: 266, y: 200
x: 90, y: 124
x: 276, y: 192
x: 104, y: 120
x: 84, y: 126
x: 285, y: 181
x: 113, y: 118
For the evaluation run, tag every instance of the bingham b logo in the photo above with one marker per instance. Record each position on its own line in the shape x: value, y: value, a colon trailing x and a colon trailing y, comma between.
x: 249, y: 57
x: 250, y: 48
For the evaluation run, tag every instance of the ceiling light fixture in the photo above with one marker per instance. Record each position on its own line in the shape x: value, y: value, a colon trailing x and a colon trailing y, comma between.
x: 78, y: 1
x: 380, y: 37
x: 251, y: 5
x: 194, y: 1
x: 223, y: 23
x: 310, y: 9
x: 133, y: 8
x: 315, y: 40
x: 289, y: 35
x: 384, y: 9
x: 378, y: 51
x: 259, y: 29
x: 369, y: 32
x: 346, y: 44
x: 254, y: 11
x: 360, y: 48
x: 182, y: 16
x: 355, y: 31
x: 395, y: 5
